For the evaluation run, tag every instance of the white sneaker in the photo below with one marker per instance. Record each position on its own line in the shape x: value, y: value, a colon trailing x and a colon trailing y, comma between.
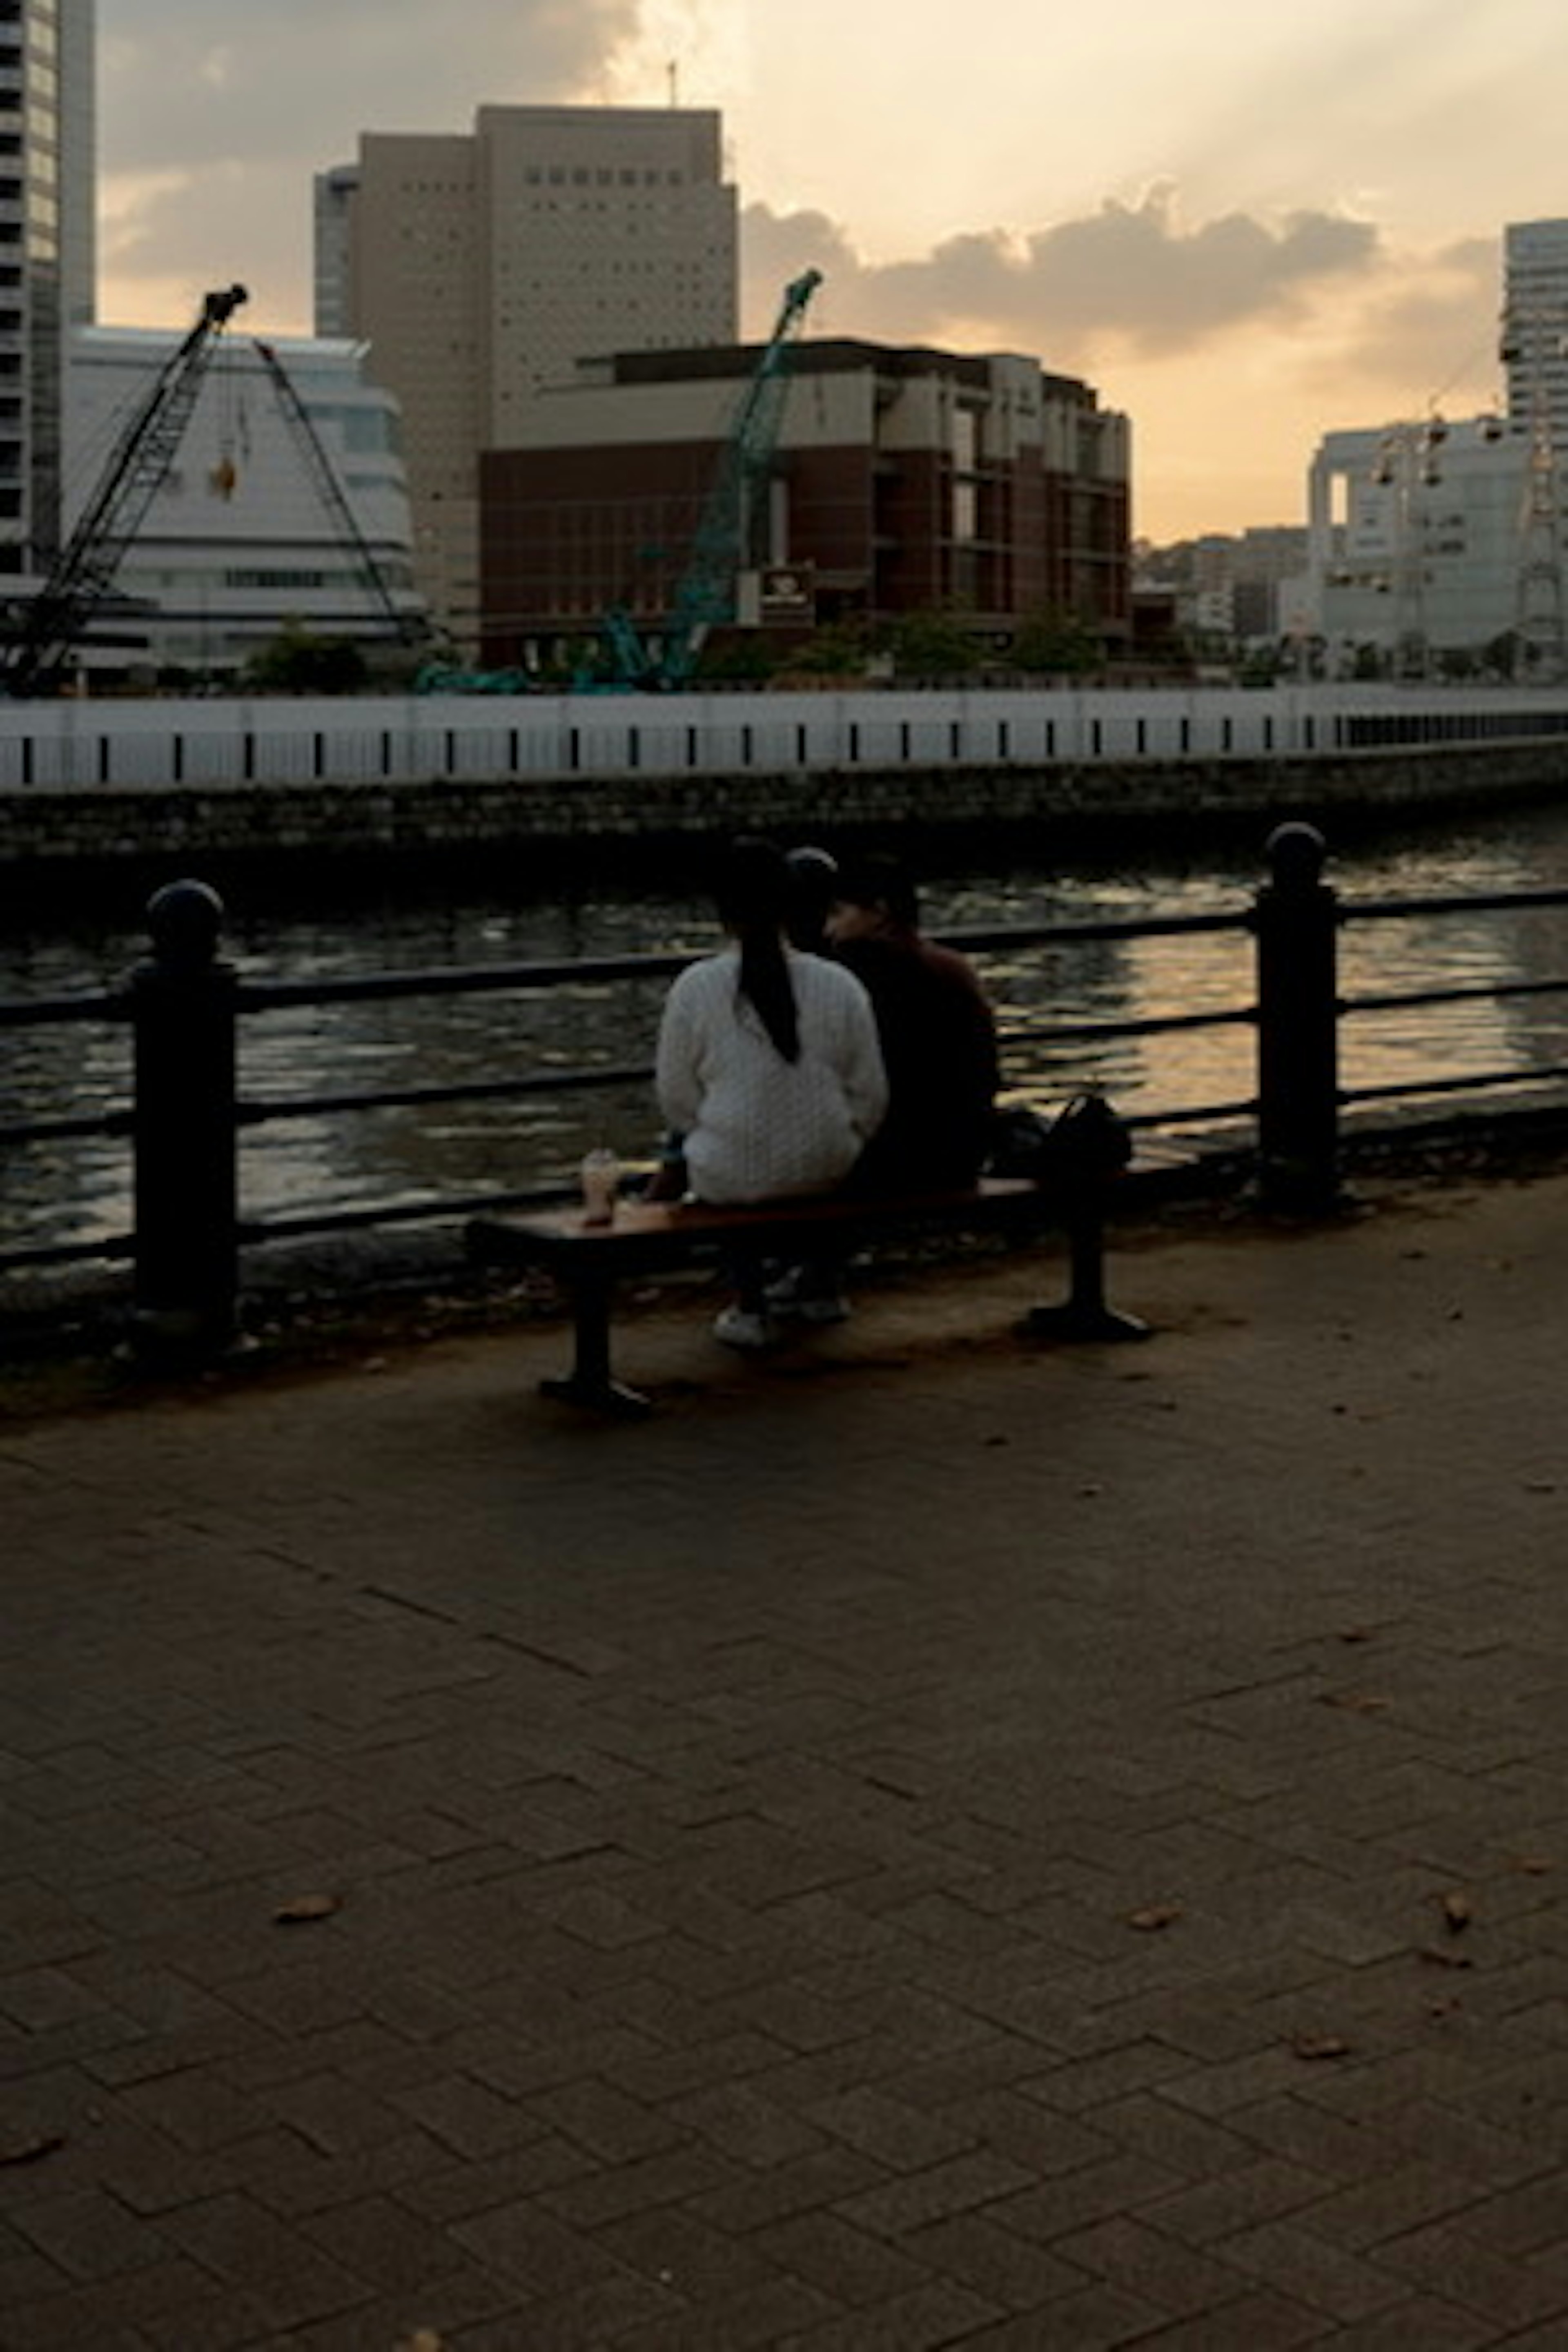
x: 744, y: 1328
x: 791, y: 1295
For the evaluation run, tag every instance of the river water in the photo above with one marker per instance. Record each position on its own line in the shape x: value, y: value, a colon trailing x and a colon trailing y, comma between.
x: 78, y: 1189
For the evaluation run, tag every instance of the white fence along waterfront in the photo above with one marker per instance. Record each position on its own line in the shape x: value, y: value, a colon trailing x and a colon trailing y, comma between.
x: 98, y: 745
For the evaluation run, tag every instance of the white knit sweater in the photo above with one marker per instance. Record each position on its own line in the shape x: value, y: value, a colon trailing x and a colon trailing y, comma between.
x: 756, y: 1126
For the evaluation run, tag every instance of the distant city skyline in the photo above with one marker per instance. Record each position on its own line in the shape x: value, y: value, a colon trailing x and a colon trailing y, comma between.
x: 1244, y: 230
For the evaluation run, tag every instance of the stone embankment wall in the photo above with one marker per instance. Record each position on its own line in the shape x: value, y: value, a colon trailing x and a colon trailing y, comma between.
x: 45, y: 830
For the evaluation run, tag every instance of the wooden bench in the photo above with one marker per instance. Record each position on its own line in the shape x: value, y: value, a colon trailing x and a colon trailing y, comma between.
x: 649, y: 1237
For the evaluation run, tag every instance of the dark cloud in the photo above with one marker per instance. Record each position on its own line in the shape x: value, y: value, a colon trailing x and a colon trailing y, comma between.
x: 1129, y: 274
x: 241, y: 105
x: 217, y: 81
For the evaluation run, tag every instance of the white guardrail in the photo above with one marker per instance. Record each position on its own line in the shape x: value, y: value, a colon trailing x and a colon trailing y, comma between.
x: 478, y: 739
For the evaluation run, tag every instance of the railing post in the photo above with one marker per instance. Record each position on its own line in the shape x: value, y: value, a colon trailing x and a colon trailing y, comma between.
x: 1296, y: 924
x: 183, y: 1006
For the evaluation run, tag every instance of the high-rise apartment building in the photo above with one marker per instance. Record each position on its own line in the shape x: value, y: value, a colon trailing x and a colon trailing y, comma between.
x: 1535, y: 325
x: 482, y: 268
x: 46, y: 255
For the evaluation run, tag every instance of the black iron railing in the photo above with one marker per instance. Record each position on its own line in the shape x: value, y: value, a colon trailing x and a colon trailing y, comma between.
x: 185, y: 1008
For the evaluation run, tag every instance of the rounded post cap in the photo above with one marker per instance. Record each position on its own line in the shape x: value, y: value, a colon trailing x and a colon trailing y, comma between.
x: 1297, y: 853
x: 185, y: 920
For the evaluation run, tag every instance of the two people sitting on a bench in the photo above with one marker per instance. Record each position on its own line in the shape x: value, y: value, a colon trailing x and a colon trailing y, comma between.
x: 870, y: 1069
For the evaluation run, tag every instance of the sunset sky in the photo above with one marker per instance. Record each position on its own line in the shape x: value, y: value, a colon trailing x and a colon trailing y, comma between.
x: 1243, y: 226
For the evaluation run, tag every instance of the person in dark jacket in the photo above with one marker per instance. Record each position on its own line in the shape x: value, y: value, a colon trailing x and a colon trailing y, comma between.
x: 937, y: 1032
x: 939, y: 1048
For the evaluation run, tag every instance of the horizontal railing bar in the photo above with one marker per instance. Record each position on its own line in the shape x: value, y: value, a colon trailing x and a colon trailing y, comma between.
x: 1400, y: 1000
x: 347, y: 1220
x: 66, y: 1131
x: 462, y: 980
x: 271, y: 1108
x: 17, y: 1261
x: 974, y: 938
x: 1194, y: 1115
x: 1152, y: 1024
x: 1471, y: 1082
x: 40, y: 1012
x: 1478, y: 902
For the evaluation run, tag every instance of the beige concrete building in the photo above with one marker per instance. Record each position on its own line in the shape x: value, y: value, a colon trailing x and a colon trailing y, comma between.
x: 481, y: 267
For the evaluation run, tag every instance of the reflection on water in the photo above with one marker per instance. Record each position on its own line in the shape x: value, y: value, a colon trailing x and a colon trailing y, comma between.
x: 79, y: 1188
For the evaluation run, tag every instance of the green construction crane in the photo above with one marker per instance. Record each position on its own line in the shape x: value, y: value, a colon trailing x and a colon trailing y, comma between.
x: 727, y: 528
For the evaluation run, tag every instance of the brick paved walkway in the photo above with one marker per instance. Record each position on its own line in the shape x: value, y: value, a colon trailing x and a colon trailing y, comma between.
x: 916, y: 1845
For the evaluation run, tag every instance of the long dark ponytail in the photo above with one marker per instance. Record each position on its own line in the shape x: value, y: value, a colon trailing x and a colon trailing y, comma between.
x: 753, y: 900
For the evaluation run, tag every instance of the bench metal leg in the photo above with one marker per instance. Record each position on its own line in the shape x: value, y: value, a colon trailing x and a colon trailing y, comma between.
x: 1084, y: 1315
x: 590, y: 1381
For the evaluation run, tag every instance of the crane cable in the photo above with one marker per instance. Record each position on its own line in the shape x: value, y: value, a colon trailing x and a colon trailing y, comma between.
x: 222, y: 479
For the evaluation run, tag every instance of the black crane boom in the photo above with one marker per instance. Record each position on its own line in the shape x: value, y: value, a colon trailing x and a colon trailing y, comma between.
x: 409, y: 628
x: 52, y: 625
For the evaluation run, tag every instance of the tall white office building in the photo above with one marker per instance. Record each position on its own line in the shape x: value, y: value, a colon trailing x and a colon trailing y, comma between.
x: 1535, y: 324
x: 481, y: 268
x: 48, y: 197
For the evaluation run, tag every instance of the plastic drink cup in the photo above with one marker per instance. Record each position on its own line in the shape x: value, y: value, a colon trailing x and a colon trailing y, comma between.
x: 601, y: 1182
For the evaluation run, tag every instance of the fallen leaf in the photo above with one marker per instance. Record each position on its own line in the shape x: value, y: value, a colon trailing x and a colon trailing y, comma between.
x: 1355, y: 1633
x: 30, y: 2151
x: 1534, y: 1865
x: 1438, y: 1955
x: 1541, y: 1485
x: 1154, y: 1916
x: 304, y: 1908
x: 1320, y: 2045
x: 1457, y: 1913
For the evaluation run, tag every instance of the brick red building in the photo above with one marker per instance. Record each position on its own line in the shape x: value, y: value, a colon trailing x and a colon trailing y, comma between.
x: 901, y: 481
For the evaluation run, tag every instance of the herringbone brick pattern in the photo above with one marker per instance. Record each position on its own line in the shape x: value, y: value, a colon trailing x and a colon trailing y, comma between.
x: 922, y: 1843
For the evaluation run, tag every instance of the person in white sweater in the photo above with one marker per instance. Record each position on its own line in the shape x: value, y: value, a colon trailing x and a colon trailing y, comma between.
x: 768, y: 1065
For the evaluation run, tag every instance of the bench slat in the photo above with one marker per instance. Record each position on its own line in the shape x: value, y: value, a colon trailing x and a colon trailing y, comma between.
x: 640, y: 1227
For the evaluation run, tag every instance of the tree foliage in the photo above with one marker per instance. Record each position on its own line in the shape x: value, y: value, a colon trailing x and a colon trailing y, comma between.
x: 298, y: 661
